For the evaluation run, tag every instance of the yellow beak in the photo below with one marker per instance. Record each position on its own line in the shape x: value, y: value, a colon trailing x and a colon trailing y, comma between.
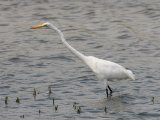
x: 37, y: 26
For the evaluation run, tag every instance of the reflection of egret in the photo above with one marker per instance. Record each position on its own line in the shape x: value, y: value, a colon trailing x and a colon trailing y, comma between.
x: 104, y: 70
x: 116, y: 103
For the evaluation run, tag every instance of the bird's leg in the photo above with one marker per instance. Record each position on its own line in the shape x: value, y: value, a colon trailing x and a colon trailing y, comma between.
x: 105, y: 82
x: 110, y: 90
x: 107, y: 87
x: 107, y: 91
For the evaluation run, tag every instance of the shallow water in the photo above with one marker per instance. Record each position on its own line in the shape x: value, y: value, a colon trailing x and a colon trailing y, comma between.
x: 124, y: 31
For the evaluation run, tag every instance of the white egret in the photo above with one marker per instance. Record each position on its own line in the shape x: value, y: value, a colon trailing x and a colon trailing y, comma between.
x: 103, y: 69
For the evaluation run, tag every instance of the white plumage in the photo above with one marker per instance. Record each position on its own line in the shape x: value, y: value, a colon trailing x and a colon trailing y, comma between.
x: 107, y: 70
x: 103, y: 69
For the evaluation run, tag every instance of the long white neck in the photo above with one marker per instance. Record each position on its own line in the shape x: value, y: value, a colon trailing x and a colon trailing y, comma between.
x: 73, y: 50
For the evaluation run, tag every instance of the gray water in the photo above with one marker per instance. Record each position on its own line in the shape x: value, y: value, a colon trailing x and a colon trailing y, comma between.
x: 123, y: 31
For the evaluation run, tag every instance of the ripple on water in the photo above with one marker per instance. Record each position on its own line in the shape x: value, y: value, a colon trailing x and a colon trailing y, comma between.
x: 123, y: 31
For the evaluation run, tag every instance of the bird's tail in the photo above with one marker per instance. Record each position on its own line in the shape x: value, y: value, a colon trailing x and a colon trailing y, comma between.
x: 131, y: 75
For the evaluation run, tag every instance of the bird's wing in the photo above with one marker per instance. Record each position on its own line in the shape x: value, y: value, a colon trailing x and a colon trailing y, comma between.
x: 111, y: 70
x: 108, y: 70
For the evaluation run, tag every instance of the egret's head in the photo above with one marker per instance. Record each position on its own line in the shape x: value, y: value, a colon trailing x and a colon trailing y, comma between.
x: 47, y: 24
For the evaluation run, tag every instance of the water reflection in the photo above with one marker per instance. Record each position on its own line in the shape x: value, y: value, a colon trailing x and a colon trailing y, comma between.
x: 124, y: 31
x: 118, y: 103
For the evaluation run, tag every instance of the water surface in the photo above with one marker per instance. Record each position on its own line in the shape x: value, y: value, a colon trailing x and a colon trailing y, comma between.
x: 123, y: 31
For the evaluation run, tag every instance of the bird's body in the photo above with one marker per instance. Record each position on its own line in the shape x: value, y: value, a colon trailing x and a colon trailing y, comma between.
x: 107, y: 70
x: 103, y: 69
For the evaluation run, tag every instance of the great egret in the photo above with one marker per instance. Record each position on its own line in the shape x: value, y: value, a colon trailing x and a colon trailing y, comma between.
x: 103, y: 69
